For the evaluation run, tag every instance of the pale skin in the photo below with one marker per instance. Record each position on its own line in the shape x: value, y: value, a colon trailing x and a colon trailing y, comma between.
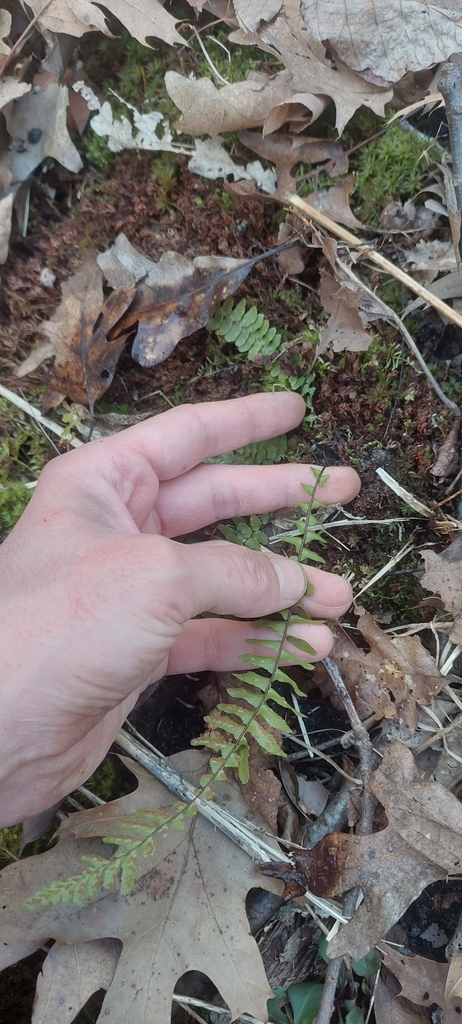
x: 97, y: 600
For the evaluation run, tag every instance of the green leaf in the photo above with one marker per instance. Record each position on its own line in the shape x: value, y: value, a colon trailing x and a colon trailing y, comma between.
x: 301, y: 645
x: 275, y: 1013
x: 305, y: 1000
x: 355, y: 1016
x: 368, y: 965
x: 274, y: 720
x: 265, y: 739
x: 243, y: 768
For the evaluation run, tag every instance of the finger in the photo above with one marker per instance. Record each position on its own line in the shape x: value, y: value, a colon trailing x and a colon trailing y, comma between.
x: 209, y: 493
x: 331, y: 597
x: 217, y: 645
x: 227, y: 579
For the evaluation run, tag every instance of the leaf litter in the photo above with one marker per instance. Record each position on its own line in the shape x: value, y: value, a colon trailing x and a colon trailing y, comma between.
x: 353, y: 59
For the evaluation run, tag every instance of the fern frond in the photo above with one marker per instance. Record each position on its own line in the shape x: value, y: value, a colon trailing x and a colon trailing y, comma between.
x: 261, y: 453
x: 248, y: 330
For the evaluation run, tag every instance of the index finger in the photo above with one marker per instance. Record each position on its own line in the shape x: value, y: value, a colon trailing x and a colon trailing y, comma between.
x: 177, y: 440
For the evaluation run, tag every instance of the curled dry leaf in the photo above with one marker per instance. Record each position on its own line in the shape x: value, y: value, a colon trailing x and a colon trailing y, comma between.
x: 421, y: 843
x: 142, y: 18
x: 206, y: 110
x: 85, y: 360
x: 391, y: 678
x: 443, y: 576
x: 335, y: 201
x: 287, y: 38
x: 187, y: 909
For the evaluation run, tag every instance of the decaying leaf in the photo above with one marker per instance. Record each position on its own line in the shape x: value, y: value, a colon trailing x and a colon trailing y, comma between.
x: 85, y: 360
x: 187, y: 910
x: 443, y: 576
x: 37, y: 123
x: 396, y: 673
x: 176, y: 298
x: 345, y: 327
x: 421, y: 843
x: 285, y: 151
x: 389, y: 1008
x: 75, y: 17
x: 424, y: 982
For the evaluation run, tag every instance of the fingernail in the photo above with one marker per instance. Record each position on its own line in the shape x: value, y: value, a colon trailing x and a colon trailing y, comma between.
x: 292, y: 580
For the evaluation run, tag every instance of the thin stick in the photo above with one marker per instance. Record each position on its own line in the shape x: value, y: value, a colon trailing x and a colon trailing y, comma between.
x: 34, y: 413
x: 363, y: 744
x: 308, y: 213
x: 364, y: 827
x: 450, y: 86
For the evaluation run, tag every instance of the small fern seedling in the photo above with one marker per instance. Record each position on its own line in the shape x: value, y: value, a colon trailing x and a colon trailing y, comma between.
x: 228, y: 727
x: 247, y: 329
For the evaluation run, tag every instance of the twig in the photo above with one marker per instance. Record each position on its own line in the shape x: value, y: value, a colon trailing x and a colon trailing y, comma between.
x: 308, y: 213
x: 363, y: 744
x: 450, y: 86
x: 34, y: 413
x: 364, y: 827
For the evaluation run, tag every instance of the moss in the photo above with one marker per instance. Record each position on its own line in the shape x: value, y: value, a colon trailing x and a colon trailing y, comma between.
x: 13, y: 500
x: 395, y: 164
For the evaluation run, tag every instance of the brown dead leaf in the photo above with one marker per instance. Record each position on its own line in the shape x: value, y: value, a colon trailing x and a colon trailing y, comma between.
x: 443, y: 576
x: 286, y: 37
x: 250, y: 13
x: 70, y: 975
x: 396, y: 673
x: 346, y: 323
x: 334, y: 202
x: 421, y: 843
x: 176, y: 298
x: 187, y: 910
x: 206, y: 110
x: 387, y: 37
x: 448, y: 455
x: 423, y: 982
x: 390, y: 1010
x: 285, y: 151
x: 85, y: 360
x: 75, y: 17
x: 44, y: 113
x: 453, y: 987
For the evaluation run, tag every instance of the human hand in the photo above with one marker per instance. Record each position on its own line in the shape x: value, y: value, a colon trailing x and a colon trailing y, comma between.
x: 97, y: 601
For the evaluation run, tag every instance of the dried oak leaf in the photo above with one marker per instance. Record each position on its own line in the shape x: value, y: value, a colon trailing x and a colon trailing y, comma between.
x: 85, y: 360
x: 421, y: 843
x: 176, y: 297
x: 389, y: 1008
x: 344, y: 330
x: 396, y: 673
x: 187, y: 910
x: 423, y: 982
x: 142, y: 18
x: 206, y: 110
x: 387, y: 37
x: 286, y: 37
x: 443, y: 576
x: 285, y: 151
